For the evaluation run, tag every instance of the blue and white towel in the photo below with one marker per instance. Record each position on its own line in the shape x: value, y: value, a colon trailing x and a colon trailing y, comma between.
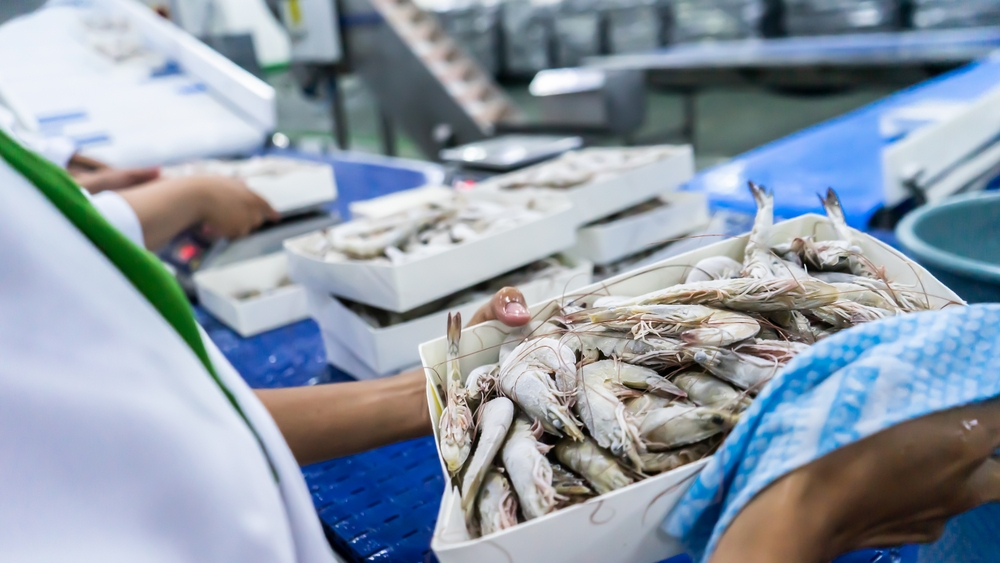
x: 845, y: 388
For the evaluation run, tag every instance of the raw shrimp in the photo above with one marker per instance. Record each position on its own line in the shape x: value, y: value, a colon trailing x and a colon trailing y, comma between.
x: 369, y: 238
x: 745, y: 294
x: 757, y: 258
x: 569, y: 484
x: 528, y: 469
x: 603, y: 414
x: 695, y: 324
x: 496, y: 505
x: 845, y: 314
x: 742, y: 370
x: 530, y: 386
x: 494, y: 422
x: 668, y: 461
x: 708, y: 391
x: 633, y: 377
x: 594, y: 340
x: 676, y: 426
x: 609, y: 301
x: 481, y: 382
x: 905, y: 298
x: 596, y: 465
x: 712, y: 268
x: 864, y: 296
x: 456, y: 426
x: 795, y: 325
x: 553, y: 354
x: 639, y: 406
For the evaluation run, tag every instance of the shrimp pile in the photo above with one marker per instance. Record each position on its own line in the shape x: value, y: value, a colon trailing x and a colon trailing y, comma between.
x: 419, y: 231
x: 579, y: 167
x: 256, y: 166
x: 611, y: 390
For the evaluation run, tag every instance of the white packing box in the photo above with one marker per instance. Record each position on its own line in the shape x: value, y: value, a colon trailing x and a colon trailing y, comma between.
x: 614, y: 192
x: 406, y: 286
x: 388, y: 350
x: 276, y: 305
x: 384, y: 206
x: 342, y: 358
x: 288, y: 184
x: 604, y: 243
x: 624, y: 525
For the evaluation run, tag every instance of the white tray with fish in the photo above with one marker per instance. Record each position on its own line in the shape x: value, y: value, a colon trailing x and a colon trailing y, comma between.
x: 288, y: 184
x: 407, y: 260
x: 391, y: 204
x: 653, y: 222
x: 252, y: 296
x: 387, y: 342
x: 624, y: 388
x: 602, y: 181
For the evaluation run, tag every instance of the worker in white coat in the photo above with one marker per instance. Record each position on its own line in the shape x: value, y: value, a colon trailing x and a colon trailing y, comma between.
x: 125, y: 435
x: 149, y: 210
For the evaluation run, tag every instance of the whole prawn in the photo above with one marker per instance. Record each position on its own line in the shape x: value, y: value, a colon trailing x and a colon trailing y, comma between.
x: 456, y: 423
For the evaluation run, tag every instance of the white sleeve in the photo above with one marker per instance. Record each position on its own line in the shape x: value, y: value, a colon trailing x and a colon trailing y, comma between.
x: 119, y: 213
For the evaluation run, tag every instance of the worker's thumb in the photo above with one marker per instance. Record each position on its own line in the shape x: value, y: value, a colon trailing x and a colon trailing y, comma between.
x: 506, y: 306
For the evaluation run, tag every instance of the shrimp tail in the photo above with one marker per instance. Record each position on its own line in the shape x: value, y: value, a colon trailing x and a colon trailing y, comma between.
x: 760, y: 195
x: 834, y: 210
x: 454, y: 332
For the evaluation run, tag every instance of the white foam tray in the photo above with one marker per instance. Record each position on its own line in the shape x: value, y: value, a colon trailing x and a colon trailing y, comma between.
x: 613, y: 193
x: 621, y: 526
x: 384, y: 206
x: 303, y: 184
x: 388, y: 350
x: 603, y: 244
x: 407, y: 286
x: 217, y: 287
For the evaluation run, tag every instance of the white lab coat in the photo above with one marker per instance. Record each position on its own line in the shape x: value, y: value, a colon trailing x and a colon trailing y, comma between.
x: 115, y: 443
x: 59, y: 150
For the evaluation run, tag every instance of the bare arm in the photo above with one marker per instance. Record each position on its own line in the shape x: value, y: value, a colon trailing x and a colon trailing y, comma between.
x: 328, y: 421
x: 167, y: 207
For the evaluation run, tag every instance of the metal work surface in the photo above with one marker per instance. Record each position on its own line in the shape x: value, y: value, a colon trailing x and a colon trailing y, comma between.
x: 810, y: 63
x: 873, y: 49
x: 843, y: 153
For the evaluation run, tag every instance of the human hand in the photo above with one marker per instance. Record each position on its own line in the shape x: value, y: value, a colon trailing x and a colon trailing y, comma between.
x: 229, y: 209
x: 104, y: 178
x: 896, y: 487
x: 506, y: 306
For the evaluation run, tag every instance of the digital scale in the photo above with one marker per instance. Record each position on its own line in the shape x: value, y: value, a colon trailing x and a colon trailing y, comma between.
x: 191, y: 251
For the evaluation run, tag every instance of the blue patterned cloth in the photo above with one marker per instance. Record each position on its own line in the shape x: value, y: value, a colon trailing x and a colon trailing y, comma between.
x: 845, y: 388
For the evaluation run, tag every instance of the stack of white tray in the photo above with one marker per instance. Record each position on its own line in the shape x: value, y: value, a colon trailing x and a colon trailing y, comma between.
x: 360, y: 345
x: 662, y: 219
x: 421, y: 291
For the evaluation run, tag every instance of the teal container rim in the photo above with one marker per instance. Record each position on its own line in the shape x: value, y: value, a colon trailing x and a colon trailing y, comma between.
x: 935, y: 257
